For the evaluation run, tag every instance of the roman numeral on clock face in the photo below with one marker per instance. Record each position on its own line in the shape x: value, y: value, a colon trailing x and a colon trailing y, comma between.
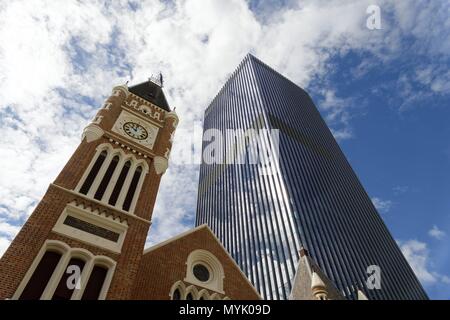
x: 135, y: 130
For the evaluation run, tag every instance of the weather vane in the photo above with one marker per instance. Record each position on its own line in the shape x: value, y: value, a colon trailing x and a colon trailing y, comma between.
x: 157, y: 80
x: 161, y: 80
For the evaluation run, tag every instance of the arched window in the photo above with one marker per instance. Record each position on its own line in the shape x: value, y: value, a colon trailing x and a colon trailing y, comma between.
x: 65, y: 288
x: 114, y: 177
x: 191, y: 293
x: 54, y: 274
x: 201, y: 272
x: 119, y: 184
x: 93, y: 173
x: 176, y: 295
x: 177, y: 291
x: 95, y: 283
x: 106, y: 178
x: 215, y: 296
x: 203, y: 294
x: 205, y: 270
x: 41, y: 275
x: 132, y: 189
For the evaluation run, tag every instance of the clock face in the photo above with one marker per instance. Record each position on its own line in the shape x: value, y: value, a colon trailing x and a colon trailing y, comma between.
x: 135, y: 130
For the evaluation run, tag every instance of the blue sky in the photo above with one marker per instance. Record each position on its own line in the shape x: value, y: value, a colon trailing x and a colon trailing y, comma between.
x: 384, y: 93
x: 399, y: 150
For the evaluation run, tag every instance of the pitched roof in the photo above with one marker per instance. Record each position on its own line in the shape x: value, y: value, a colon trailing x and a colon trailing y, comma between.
x: 309, y: 274
x: 151, y: 92
x: 201, y: 228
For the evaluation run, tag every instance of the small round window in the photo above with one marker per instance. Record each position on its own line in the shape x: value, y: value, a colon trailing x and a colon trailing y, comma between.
x: 201, y: 272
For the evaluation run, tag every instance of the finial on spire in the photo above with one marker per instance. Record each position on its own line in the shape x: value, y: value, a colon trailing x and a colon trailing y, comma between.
x: 158, y: 80
x: 303, y: 252
x: 318, y: 287
x: 361, y: 295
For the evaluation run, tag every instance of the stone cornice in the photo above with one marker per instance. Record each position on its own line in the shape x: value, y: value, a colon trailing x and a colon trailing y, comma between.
x: 121, y: 213
x: 128, y: 145
x: 159, y: 124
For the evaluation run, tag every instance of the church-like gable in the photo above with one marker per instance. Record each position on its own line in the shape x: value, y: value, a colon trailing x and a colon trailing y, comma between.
x: 193, y: 266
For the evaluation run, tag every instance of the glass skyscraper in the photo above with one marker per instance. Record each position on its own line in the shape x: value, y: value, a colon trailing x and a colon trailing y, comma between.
x: 312, y: 199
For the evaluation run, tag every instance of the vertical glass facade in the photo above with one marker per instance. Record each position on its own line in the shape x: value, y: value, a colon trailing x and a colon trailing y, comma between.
x: 314, y: 199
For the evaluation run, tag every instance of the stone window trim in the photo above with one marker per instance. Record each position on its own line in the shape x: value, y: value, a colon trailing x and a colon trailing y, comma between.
x: 196, y: 293
x: 68, y: 253
x: 96, y: 218
x: 81, y: 199
x: 193, y: 291
x: 180, y: 286
x: 123, y: 158
x: 91, y: 228
x: 215, y: 268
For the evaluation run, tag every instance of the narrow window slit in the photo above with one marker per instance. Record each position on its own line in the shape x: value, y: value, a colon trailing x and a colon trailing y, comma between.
x: 106, y: 178
x: 132, y: 189
x: 119, y: 184
x: 93, y: 173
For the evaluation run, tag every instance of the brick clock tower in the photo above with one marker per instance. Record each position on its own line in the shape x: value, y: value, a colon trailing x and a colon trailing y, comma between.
x: 93, y: 220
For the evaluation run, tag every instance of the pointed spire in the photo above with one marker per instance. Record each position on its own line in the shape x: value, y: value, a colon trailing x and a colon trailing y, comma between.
x: 316, y: 282
x: 318, y: 287
x: 303, y: 252
x: 361, y: 295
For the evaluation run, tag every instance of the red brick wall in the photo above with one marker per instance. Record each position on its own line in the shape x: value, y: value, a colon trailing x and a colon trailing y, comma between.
x: 20, y: 254
x: 24, y: 248
x: 162, y: 267
x: 17, y: 259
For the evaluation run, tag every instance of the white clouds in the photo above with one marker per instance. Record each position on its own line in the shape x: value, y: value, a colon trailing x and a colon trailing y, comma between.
x: 7, y: 233
x: 58, y: 59
x: 8, y: 229
x: 428, y: 76
x: 436, y: 233
x: 34, y: 38
x: 27, y: 52
x: 41, y: 125
x: 445, y: 279
x: 175, y: 206
x: 4, y: 244
x: 337, y: 114
x: 399, y: 190
x: 381, y: 205
x: 299, y: 41
x: 417, y: 254
x: 424, y: 20
x: 436, y: 78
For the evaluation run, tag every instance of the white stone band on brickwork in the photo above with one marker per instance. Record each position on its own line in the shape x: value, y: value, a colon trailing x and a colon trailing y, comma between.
x: 161, y: 164
x: 122, y: 88
x: 92, y: 132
